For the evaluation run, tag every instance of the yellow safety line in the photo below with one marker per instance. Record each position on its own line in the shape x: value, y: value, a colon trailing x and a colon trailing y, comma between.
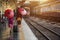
x: 21, y: 34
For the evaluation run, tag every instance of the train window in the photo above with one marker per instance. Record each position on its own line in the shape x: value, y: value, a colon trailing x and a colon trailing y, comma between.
x: 36, y: 10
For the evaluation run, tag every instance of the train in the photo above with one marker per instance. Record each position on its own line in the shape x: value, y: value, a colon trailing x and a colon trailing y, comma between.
x: 49, y: 11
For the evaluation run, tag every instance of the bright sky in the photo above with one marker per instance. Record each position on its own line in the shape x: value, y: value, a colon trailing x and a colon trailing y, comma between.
x: 37, y: 0
x: 41, y: 1
x: 27, y: 1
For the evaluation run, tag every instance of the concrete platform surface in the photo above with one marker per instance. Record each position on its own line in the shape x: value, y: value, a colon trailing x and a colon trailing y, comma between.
x: 28, y: 34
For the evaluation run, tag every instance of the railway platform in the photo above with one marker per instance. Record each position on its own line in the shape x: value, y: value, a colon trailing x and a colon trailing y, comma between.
x: 24, y: 33
x: 28, y: 34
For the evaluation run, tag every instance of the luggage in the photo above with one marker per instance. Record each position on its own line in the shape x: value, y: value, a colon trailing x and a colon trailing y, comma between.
x: 19, y: 20
x: 15, y: 28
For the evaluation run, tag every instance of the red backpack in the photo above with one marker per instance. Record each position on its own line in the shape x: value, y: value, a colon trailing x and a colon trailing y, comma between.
x: 22, y: 11
x: 9, y: 13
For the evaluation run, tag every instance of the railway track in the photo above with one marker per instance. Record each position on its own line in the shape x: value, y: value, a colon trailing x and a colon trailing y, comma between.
x: 47, y: 27
x: 49, y: 35
x: 40, y: 36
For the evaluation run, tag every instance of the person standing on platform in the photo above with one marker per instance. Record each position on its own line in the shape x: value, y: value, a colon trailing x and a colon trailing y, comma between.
x: 20, y: 13
x: 10, y: 16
